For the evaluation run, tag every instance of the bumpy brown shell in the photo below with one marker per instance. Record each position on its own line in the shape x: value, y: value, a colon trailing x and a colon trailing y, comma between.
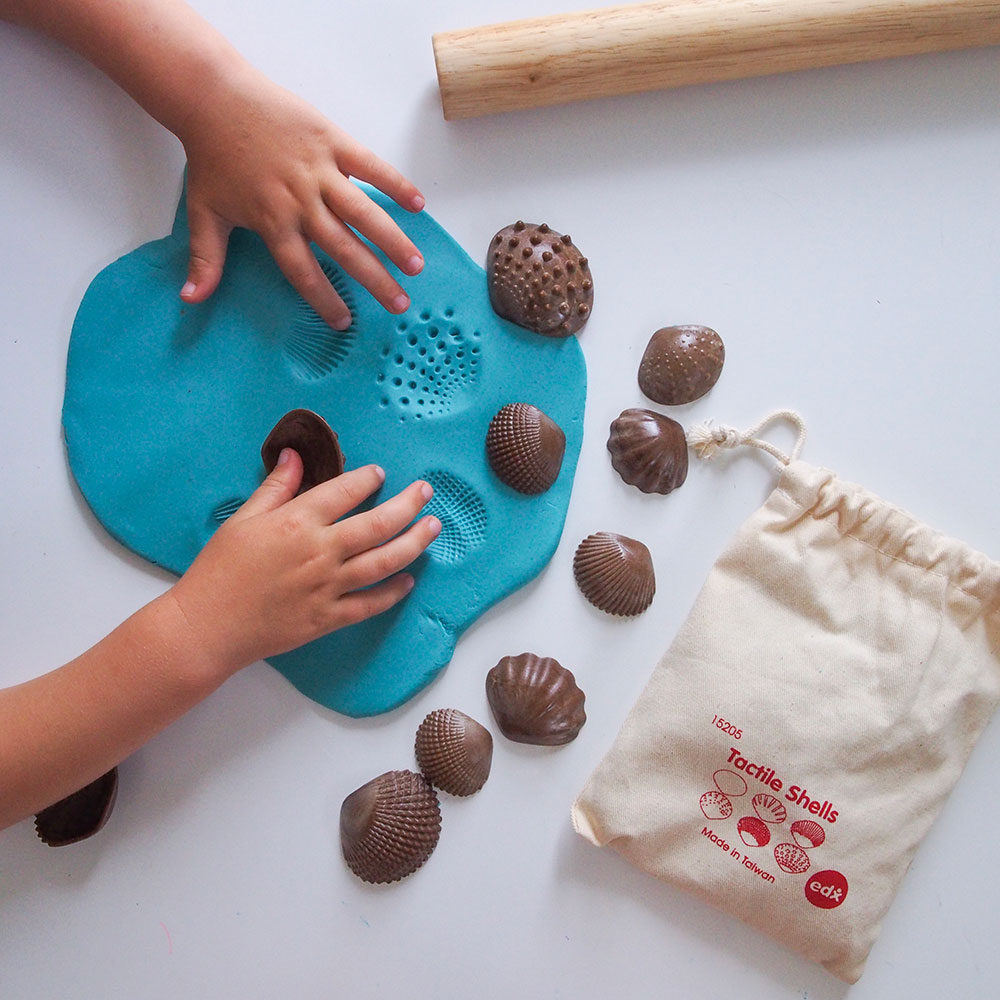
x: 79, y: 815
x: 315, y: 441
x: 454, y: 751
x: 681, y: 363
x: 535, y: 700
x: 525, y: 448
x: 615, y: 573
x: 389, y: 826
x: 539, y: 280
x: 649, y: 450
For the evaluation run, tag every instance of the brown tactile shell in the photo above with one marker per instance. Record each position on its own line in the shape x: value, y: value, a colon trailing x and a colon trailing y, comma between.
x: 535, y: 700
x: 539, y: 280
x: 315, y: 441
x: 525, y: 448
x: 681, y: 363
x: 454, y: 751
x: 79, y: 815
x: 649, y: 450
x: 615, y: 573
x: 389, y: 826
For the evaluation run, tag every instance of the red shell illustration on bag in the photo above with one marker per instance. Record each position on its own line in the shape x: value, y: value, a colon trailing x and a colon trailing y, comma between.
x: 768, y: 808
x: 730, y: 783
x: 791, y: 858
x: 753, y: 831
x: 715, y: 805
x: 807, y: 833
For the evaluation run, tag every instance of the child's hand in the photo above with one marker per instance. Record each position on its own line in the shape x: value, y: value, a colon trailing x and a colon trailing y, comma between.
x: 262, y: 158
x: 280, y: 572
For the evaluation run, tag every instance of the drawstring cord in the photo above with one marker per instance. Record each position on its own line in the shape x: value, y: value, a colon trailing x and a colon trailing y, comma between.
x: 709, y: 439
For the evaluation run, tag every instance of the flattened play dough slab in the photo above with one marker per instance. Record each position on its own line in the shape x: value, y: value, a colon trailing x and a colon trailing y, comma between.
x: 167, y: 405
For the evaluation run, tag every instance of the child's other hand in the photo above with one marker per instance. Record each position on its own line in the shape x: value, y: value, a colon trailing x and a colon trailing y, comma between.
x: 261, y: 158
x: 280, y: 572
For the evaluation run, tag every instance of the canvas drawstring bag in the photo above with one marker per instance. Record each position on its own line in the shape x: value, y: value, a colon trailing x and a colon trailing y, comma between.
x: 802, y: 732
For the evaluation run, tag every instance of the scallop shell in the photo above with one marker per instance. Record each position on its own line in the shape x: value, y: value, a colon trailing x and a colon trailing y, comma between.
x: 681, y: 363
x: 615, y: 573
x: 525, y: 448
x: 768, y: 808
x: 791, y: 858
x: 715, y: 805
x: 535, y: 700
x: 454, y: 751
x: 753, y: 831
x: 389, y: 826
x: 315, y: 441
x: 538, y: 279
x: 649, y: 451
x: 807, y: 833
x: 79, y: 815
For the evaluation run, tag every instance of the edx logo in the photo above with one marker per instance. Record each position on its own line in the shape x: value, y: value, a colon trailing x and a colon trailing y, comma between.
x: 826, y: 889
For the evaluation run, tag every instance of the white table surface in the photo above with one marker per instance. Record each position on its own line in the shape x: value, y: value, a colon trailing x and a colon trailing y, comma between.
x: 840, y: 228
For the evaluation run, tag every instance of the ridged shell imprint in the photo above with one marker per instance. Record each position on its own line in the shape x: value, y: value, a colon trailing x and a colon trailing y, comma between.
x: 807, y: 833
x: 681, y: 363
x: 315, y: 441
x: 525, y: 448
x: 79, y: 815
x: 454, y: 751
x: 649, y: 450
x: 535, y: 700
x: 615, y: 573
x: 538, y: 280
x: 389, y: 826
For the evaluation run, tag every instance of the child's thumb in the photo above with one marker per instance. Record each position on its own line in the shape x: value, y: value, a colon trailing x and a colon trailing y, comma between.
x: 209, y: 241
x: 280, y: 486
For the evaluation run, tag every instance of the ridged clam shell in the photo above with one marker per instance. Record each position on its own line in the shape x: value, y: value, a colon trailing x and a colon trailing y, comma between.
x: 681, y: 363
x: 538, y: 279
x: 768, y: 808
x: 753, y: 831
x: 535, y: 700
x: 79, y: 815
x: 615, y: 573
x: 454, y: 751
x: 315, y: 441
x: 649, y: 450
x: 525, y: 448
x: 389, y: 826
x: 807, y: 833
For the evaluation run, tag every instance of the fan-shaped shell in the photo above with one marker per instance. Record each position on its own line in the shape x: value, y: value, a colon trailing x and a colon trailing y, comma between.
x: 525, y: 448
x: 753, y: 831
x: 535, y: 700
x: 649, y: 450
x: 454, y: 751
x: 79, y: 815
x: 389, y: 826
x: 715, y: 805
x: 681, y: 363
x: 768, y: 808
x: 791, y: 858
x: 538, y: 279
x: 315, y: 441
x: 807, y: 833
x: 615, y: 573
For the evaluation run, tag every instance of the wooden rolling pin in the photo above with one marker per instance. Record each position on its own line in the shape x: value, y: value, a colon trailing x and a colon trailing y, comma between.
x: 652, y: 46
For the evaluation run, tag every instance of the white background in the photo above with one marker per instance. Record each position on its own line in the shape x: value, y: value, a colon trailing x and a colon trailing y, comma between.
x: 839, y: 228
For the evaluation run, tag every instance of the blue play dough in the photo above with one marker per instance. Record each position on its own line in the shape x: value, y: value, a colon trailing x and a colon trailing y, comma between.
x: 167, y: 405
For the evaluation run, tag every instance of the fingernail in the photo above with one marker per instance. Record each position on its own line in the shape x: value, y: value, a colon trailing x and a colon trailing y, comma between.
x: 415, y: 264
x: 417, y: 203
x: 434, y: 526
x: 408, y: 582
x: 188, y: 289
x: 286, y: 454
x: 400, y: 303
x: 342, y: 324
x: 426, y: 491
x: 380, y: 472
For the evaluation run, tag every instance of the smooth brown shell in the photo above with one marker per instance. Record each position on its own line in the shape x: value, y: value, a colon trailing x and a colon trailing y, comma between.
x: 79, y: 815
x: 454, y: 751
x: 315, y: 441
x: 389, y: 826
x: 535, y: 700
x: 649, y: 450
x: 525, y: 448
x: 681, y: 363
x: 539, y: 280
x: 615, y: 573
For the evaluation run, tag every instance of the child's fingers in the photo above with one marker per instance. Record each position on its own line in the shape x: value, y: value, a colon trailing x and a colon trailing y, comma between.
x: 375, y: 527
x: 336, y: 497
x: 358, y: 210
x: 363, y: 164
x: 357, y: 259
x: 209, y: 242
x: 376, y: 564
x: 300, y: 267
x: 280, y: 486
x: 361, y: 604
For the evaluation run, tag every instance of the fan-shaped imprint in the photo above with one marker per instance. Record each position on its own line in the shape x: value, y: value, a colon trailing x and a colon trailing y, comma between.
x: 225, y: 510
x: 313, y: 347
x: 615, y: 573
x: 462, y: 514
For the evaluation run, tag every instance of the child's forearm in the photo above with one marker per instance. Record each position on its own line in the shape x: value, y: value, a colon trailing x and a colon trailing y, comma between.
x: 62, y: 730
x: 161, y: 52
